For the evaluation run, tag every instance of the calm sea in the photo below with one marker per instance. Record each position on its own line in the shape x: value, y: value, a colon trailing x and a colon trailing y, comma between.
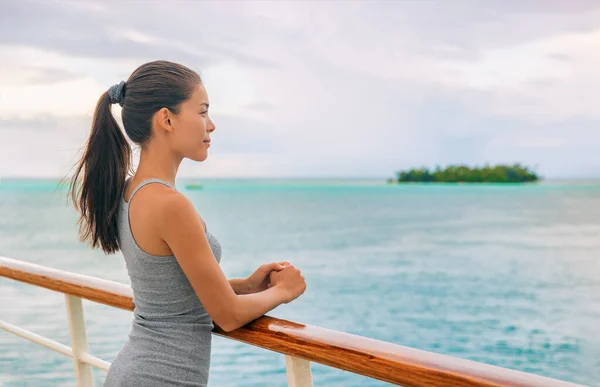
x: 506, y: 275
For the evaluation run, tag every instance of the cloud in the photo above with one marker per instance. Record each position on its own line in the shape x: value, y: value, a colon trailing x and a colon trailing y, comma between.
x: 98, y: 30
x: 41, y: 145
x: 326, y: 88
x: 37, y: 75
x: 40, y: 122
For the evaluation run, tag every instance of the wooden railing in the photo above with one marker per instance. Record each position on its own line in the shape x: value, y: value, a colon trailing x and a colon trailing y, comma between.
x: 300, y: 343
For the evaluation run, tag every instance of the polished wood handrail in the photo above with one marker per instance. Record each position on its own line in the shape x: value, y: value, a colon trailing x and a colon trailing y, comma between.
x: 373, y: 358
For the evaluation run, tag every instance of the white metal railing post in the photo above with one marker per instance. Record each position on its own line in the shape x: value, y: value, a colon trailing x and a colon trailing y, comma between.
x: 298, y: 372
x: 83, y: 371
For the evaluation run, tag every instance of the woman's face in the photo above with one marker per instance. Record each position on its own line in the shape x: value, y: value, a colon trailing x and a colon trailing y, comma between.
x: 192, y: 127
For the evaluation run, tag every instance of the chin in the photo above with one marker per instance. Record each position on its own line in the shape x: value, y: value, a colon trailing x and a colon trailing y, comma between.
x: 201, y: 156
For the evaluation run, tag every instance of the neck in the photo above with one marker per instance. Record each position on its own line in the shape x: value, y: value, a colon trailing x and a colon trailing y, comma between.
x: 158, y: 162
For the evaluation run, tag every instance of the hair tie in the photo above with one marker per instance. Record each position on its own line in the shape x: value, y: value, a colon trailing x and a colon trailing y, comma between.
x: 116, y: 93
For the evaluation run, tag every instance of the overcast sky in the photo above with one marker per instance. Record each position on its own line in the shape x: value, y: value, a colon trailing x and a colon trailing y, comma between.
x: 323, y: 89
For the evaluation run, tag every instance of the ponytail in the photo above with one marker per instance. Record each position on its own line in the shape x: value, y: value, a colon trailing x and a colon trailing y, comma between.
x: 99, y: 179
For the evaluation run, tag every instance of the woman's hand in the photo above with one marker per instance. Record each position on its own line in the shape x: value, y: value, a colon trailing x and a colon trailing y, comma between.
x: 290, y: 281
x: 259, y: 280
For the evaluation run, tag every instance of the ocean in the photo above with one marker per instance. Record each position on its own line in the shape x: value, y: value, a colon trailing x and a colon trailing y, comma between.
x: 501, y: 274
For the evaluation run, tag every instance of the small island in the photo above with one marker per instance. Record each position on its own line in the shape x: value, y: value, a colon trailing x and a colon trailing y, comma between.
x: 464, y: 174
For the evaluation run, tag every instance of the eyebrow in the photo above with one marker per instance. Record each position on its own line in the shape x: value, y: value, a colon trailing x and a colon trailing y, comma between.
x: 205, y: 104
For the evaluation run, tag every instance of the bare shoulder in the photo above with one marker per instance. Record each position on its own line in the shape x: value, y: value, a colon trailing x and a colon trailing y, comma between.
x: 157, y: 213
x: 159, y: 208
x: 176, y: 211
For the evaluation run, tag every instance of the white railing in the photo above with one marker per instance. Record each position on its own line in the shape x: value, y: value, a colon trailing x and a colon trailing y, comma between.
x: 298, y: 370
x: 82, y: 359
x: 300, y: 344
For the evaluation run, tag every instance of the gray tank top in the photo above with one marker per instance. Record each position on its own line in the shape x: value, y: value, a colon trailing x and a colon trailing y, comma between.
x: 170, y: 339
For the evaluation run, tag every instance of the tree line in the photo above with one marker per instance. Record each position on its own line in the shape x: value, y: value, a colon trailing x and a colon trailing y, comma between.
x: 463, y: 174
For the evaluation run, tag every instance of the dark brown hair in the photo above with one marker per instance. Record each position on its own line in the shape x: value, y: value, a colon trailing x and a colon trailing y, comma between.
x: 99, y: 179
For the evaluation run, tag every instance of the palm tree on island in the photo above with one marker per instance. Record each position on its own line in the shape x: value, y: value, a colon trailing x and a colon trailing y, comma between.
x: 463, y: 174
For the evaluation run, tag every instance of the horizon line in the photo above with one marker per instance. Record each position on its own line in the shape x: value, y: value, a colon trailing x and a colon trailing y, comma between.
x: 32, y: 177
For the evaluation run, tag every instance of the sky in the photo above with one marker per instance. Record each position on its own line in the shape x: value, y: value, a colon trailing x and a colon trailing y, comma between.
x: 317, y: 89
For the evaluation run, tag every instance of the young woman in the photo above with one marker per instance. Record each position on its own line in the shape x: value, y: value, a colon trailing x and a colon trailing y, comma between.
x: 172, y: 259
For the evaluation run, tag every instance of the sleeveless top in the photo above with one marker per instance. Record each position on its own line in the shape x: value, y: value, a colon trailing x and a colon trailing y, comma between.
x: 170, y: 339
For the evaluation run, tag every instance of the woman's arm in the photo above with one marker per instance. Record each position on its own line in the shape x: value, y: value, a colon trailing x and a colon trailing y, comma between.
x: 240, y: 285
x: 181, y: 228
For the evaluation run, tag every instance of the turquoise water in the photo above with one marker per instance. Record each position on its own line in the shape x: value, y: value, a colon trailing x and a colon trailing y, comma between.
x: 506, y: 275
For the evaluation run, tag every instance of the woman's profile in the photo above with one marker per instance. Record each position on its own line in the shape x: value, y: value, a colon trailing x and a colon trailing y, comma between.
x: 172, y: 258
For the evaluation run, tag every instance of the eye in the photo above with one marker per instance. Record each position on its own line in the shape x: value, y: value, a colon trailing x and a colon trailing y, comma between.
x: 204, y: 112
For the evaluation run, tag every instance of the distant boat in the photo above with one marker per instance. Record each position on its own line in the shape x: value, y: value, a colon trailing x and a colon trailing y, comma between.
x: 194, y: 186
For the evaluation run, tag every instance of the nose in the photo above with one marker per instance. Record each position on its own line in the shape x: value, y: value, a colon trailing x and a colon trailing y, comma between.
x: 211, y: 126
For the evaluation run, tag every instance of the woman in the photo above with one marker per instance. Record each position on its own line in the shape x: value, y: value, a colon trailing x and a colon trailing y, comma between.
x: 172, y: 259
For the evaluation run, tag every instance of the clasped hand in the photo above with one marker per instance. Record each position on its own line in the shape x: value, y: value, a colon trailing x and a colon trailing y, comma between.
x: 259, y: 280
x: 270, y: 274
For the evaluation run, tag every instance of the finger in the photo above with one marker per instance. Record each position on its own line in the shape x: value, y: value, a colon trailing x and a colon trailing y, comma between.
x: 268, y: 267
x: 277, y: 266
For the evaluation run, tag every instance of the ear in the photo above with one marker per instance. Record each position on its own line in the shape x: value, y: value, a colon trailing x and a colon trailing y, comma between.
x: 163, y: 119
